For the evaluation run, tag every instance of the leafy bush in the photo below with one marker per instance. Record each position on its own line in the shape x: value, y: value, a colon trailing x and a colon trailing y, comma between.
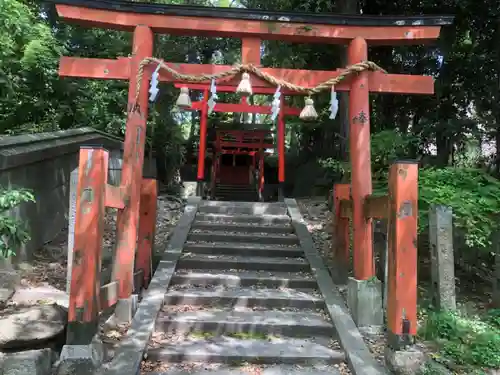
x: 468, y: 341
x: 473, y: 195
x: 13, y: 233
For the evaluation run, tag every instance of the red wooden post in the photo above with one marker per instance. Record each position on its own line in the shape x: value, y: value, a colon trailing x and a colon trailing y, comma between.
x: 361, y: 176
x: 133, y: 158
x: 83, y: 312
x: 250, y: 50
x: 203, y: 139
x: 261, y: 173
x: 341, y: 244
x: 281, y: 147
x: 402, y: 259
x: 147, y: 226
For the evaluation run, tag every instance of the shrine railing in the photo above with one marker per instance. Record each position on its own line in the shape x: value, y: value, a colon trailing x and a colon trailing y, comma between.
x: 400, y: 209
x: 243, y: 139
x: 88, y: 298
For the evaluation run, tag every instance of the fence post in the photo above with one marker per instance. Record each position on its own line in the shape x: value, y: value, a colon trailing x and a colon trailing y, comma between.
x: 402, y: 257
x: 340, y: 243
x: 83, y: 312
x: 147, y: 224
x: 442, y: 257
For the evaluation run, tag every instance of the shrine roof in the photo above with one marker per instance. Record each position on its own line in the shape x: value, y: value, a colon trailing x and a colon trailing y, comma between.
x: 260, y: 15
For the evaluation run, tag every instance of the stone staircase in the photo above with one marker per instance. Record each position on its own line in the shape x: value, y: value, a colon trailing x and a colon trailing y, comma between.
x: 244, y: 293
x: 235, y: 193
x: 241, y: 290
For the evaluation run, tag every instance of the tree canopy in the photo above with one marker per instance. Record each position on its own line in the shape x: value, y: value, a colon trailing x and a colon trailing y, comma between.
x: 459, y: 126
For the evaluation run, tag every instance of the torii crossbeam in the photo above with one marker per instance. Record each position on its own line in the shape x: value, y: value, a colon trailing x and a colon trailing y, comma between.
x: 252, y: 27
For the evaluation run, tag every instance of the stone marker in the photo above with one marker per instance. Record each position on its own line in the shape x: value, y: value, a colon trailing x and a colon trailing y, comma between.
x: 71, y: 227
x: 442, y: 260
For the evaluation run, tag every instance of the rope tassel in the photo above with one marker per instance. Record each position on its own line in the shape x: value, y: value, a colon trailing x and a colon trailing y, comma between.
x: 309, y: 112
x: 184, y: 101
x: 245, y: 87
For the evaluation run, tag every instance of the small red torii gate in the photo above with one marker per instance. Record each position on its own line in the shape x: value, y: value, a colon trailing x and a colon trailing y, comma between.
x: 252, y: 26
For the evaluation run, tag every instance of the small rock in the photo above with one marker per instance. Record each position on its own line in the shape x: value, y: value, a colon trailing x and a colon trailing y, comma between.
x: 405, y: 362
x: 28, y: 326
x: 31, y: 362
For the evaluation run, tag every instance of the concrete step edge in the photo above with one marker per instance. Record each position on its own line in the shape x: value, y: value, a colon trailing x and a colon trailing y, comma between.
x: 243, y: 279
x: 230, y: 350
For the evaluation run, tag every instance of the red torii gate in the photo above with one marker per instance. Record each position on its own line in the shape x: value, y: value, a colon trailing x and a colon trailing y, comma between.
x: 252, y: 27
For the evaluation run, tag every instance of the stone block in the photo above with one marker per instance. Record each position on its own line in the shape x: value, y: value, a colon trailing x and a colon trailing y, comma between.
x: 30, y: 362
x: 405, y: 362
x: 125, y: 309
x: 80, y: 359
x: 364, y: 298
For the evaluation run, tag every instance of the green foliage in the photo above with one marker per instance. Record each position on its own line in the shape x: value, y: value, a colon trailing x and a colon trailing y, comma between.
x: 467, y: 340
x: 388, y: 146
x: 13, y: 233
x: 473, y: 195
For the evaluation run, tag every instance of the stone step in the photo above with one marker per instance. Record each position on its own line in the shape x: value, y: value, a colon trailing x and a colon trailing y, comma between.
x: 246, y: 297
x: 237, y: 198
x: 241, y: 193
x: 264, y: 370
x: 230, y: 350
x: 234, y: 187
x: 248, y: 323
x: 254, y: 219
x: 219, y: 190
x: 244, y: 279
x: 217, y: 262
x: 248, y: 228
x: 249, y: 208
x: 290, y: 239
x: 244, y: 249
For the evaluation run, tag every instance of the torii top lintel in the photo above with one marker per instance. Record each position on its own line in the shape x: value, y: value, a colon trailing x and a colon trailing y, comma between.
x: 240, y: 23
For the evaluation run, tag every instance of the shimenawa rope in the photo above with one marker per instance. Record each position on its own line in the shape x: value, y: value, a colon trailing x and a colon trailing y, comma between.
x: 249, y: 68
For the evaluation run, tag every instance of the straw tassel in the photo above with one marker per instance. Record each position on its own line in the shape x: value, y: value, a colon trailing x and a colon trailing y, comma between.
x: 184, y: 101
x: 309, y: 112
x: 245, y: 87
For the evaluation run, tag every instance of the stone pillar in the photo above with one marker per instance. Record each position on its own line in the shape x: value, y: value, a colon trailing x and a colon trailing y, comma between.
x: 71, y: 227
x: 442, y: 260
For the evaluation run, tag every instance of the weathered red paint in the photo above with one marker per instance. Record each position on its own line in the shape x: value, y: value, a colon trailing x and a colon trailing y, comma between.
x: 147, y: 225
x: 402, y: 259
x: 120, y: 69
x: 281, y: 142
x: 341, y: 244
x: 250, y: 50
x: 203, y: 137
x: 234, y: 28
x: 89, y: 230
x: 359, y: 150
x: 114, y: 197
x: 133, y: 159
